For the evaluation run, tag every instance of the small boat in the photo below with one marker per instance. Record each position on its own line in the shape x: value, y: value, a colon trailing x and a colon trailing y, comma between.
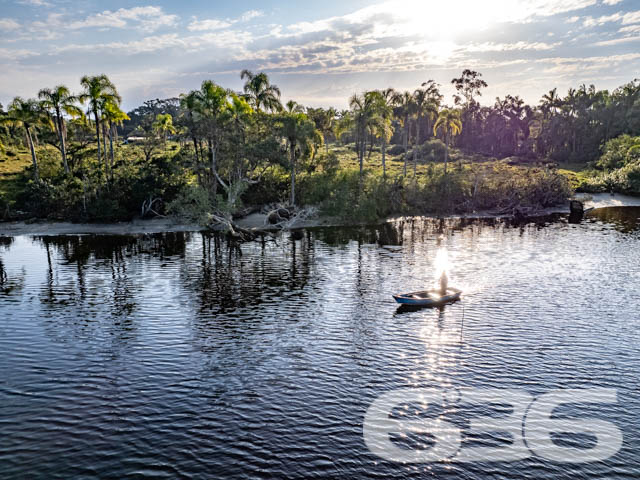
x: 429, y: 298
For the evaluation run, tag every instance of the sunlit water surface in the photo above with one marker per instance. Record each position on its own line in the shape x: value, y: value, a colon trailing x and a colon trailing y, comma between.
x: 173, y: 355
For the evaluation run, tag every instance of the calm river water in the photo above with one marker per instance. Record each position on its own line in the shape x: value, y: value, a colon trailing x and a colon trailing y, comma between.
x: 173, y: 356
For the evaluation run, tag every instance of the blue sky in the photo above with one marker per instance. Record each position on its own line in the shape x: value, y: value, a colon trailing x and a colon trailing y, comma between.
x: 319, y: 53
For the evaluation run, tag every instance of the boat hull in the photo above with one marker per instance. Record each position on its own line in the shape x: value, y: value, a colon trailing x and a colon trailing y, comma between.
x: 430, y: 298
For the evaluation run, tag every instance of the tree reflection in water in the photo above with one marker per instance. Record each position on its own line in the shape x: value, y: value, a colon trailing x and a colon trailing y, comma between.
x: 7, y: 284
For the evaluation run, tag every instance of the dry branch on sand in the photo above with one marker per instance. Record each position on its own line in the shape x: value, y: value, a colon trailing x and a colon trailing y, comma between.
x: 286, y: 219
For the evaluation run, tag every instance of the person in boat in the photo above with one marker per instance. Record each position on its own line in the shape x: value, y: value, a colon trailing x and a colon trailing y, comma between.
x: 444, y: 283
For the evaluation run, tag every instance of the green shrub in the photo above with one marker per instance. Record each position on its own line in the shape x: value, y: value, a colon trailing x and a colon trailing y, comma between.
x: 619, y: 152
x: 273, y: 187
x: 193, y: 204
x: 430, y: 151
x: 49, y: 163
x: 4, y: 208
x: 395, y: 150
x: 623, y: 180
x: 46, y: 199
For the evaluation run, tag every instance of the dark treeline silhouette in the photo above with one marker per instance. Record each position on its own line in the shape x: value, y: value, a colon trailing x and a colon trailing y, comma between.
x: 570, y: 128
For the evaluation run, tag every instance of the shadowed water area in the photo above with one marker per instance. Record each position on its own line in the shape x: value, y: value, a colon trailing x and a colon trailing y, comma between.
x: 176, y: 355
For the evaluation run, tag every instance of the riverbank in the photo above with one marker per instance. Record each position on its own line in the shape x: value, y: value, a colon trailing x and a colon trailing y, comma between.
x: 603, y: 200
x: 134, y: 227
x: 258, y: 221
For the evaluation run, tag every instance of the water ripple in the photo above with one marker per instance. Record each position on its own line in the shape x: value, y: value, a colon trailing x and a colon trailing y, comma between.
x: 171, y: 356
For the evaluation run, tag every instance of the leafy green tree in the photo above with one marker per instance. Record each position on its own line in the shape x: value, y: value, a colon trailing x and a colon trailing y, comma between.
x: 189, y: 114
x: 619, y: 152
x: 449, y: 123
x: 239, y: 114
x: 211, y: 105
x: 58, y: 101
x: 469, y: 87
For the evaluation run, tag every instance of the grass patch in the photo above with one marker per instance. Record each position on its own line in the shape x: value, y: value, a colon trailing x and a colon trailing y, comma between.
x: 13, y: 163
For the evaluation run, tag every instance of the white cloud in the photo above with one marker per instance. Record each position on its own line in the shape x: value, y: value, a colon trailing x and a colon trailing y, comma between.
x: 575, y: 65
x: 630, y: 29
x: 230, y: 41
x: 10, y: 54
x: 217, y: 24
x: 626, y: 19
x: 35, y: 3
x: 631, y: 17
x: 147, y: 18
x: 617, y: 41
x: 212, y: 24
x: 506, y: 47
x: 591, y: 22
x: 251, y: 14
x: 611, y: 2
x: 8, y: 24
x: 400, y: 38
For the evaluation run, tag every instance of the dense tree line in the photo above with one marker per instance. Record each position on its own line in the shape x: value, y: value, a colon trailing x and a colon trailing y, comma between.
x: 224, y: 142
x: 570, y: 128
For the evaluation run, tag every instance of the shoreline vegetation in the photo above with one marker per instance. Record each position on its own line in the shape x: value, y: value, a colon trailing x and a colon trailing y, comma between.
x: 240, y: 161
x: 258, y: 222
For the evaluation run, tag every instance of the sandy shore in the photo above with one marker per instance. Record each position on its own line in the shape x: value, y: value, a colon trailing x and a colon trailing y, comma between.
x: 602, y: 200
x: 156, y: 225
x: 256, y: 221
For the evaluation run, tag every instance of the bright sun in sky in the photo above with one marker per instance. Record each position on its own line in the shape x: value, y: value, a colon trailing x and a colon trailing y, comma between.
x: 322, y: 52
x: 448, y: 19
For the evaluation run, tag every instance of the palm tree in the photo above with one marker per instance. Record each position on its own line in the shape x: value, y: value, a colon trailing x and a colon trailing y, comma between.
x: 294, y: 107
x: 29, y: 115
x: 550, y: 102
x: 260, y: 93
x: 405, y: 107
x: 362, y: 113
x: 59, y: 101
x: 163, y: 126
x: 344, y: 123
x: 328, y: 126
x: 297, y: 129
x: 189, y: 104
x: 449, y: 122
x: 424, y: 106
x: 98, y: 90
x: 114, y: 117
x: 325, y: 122
x: 383, y: 100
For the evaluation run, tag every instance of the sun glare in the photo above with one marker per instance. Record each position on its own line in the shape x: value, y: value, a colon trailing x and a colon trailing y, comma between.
x: 441, y: 263
x: 444, y: 20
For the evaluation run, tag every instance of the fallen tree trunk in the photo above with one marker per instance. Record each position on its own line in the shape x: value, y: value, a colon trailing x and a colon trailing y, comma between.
x: 222, y: 223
